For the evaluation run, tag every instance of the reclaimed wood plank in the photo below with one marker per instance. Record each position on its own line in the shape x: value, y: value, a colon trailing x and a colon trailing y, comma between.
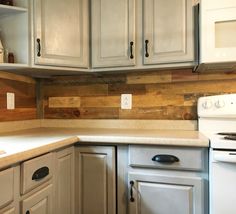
x: 85, y: 90
x: 64, y: 102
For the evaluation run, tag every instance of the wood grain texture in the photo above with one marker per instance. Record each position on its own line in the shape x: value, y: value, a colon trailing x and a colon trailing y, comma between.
x: 25, y: 97
x: 64, y: 102
x: 170, y: 94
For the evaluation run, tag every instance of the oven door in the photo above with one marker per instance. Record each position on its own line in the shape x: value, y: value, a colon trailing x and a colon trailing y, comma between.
x: 222, y: 182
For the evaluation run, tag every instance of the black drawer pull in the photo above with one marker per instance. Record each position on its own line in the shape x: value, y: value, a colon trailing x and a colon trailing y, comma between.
x: 131, y: 191
x: 165, y: 158
x: 27, y: 212
x: 40, y: 173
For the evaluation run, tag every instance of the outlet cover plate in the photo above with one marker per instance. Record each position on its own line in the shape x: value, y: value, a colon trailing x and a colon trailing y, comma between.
x: 10, y: 101
x: 126, y: 101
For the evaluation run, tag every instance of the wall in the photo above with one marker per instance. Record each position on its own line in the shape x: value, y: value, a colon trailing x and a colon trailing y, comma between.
x: 156, y: 95
x: 25, y: 97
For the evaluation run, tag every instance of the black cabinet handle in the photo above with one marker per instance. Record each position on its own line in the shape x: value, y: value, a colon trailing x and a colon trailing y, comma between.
x: 131, y: 191
x: 27, y: 212
x: 163, y: 158
x: 40, y: 173
x: 38, y: 47
x: 146, y: 48
x: 131, y: 50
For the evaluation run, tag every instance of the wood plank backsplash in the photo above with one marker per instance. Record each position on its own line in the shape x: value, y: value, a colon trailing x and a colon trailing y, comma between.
x: 168, y: 94
x: 25, y: 97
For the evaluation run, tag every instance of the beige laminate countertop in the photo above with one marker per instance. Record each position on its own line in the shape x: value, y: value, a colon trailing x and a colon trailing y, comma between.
x: 22, y: 145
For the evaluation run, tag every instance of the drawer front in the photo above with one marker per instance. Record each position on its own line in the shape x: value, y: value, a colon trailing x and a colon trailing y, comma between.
x: 166, y: 157
x: 6, y: 187
x: 35, y: 172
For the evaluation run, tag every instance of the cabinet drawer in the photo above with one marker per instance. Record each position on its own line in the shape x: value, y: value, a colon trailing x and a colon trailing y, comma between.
x: 165, y: 157
x: 6, y: 187
x: 35, y: 172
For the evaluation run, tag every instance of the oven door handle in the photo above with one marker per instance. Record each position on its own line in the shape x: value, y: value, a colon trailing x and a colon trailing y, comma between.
x: 229, y: 157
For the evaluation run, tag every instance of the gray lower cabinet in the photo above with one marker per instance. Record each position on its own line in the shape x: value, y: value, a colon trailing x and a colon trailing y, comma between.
x: 39, y: 203
x: 167, y: 180
x: 95, y: 180
x: 157, y: 194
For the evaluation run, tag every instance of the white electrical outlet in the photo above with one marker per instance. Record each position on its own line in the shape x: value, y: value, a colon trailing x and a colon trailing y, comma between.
x: 10, y: 101
x: 126, y: 101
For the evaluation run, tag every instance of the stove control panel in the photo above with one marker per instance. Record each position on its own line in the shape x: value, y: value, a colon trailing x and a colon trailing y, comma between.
x: 217, y: 106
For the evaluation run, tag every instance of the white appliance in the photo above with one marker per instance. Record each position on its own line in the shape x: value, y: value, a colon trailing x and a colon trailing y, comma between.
x: 217, y: 120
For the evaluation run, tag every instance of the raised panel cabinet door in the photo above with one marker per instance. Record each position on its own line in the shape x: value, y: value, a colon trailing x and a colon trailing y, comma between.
x: 64, y: 196
x: 9, y: 211
x: 168, y: 31
x: 113, y: 33
x: 158, y: 194
x: 61, y: 33
x: 95, y: 180
x: 39, y: 203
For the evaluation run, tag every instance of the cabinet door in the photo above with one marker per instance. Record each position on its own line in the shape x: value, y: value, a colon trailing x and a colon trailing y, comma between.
x: 155, y: 194
x: 64, y: 181
x: 61, y: 33
x: 95, y: 180
x: 113, y: 33
x: 168, y: 31
x: 9, y: 211
x: 39, y: 203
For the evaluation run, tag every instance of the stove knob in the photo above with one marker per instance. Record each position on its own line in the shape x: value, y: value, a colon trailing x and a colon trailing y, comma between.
x: 207, y: 104
x: 219, y: 104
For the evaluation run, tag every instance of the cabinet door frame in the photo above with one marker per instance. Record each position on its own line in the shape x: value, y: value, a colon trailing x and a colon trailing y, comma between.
x: 186, y: 54
x: 99, y: 61
x: 81, y: 61
x: 196, y: 183
x: 64, y: 155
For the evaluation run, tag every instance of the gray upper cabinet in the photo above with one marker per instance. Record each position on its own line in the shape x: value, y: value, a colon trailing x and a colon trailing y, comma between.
x: 61, y: 33
x: 168, y: 35
x: 113, y: 33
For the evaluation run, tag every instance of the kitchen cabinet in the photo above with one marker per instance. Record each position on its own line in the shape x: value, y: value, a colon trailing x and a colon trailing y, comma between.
x: 151, y: 39
x: 39, y: 203
x: 64, y: 181
x: 14, y: 33
x: 217, y: 31
x: 158, y: 194
x: 61, y: 33
x: 168, y: 31
x: 9, y: 211
x: 167, y: 180
x: 113, y: 33
x: 95, y: 180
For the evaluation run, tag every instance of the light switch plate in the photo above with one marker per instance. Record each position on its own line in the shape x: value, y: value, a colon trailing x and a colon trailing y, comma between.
x: 126, y: 101
x: 10, y: 101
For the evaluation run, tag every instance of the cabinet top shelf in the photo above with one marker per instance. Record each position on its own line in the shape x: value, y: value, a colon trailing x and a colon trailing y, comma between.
x: 6, y: 10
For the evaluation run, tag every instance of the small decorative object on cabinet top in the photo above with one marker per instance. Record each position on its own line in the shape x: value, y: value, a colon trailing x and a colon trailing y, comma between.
x: 7, y: 2
x: 1, y: 52
x: 11, y: 58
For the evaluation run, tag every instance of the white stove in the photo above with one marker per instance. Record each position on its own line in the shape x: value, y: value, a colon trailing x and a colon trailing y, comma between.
x: 217, y: 120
